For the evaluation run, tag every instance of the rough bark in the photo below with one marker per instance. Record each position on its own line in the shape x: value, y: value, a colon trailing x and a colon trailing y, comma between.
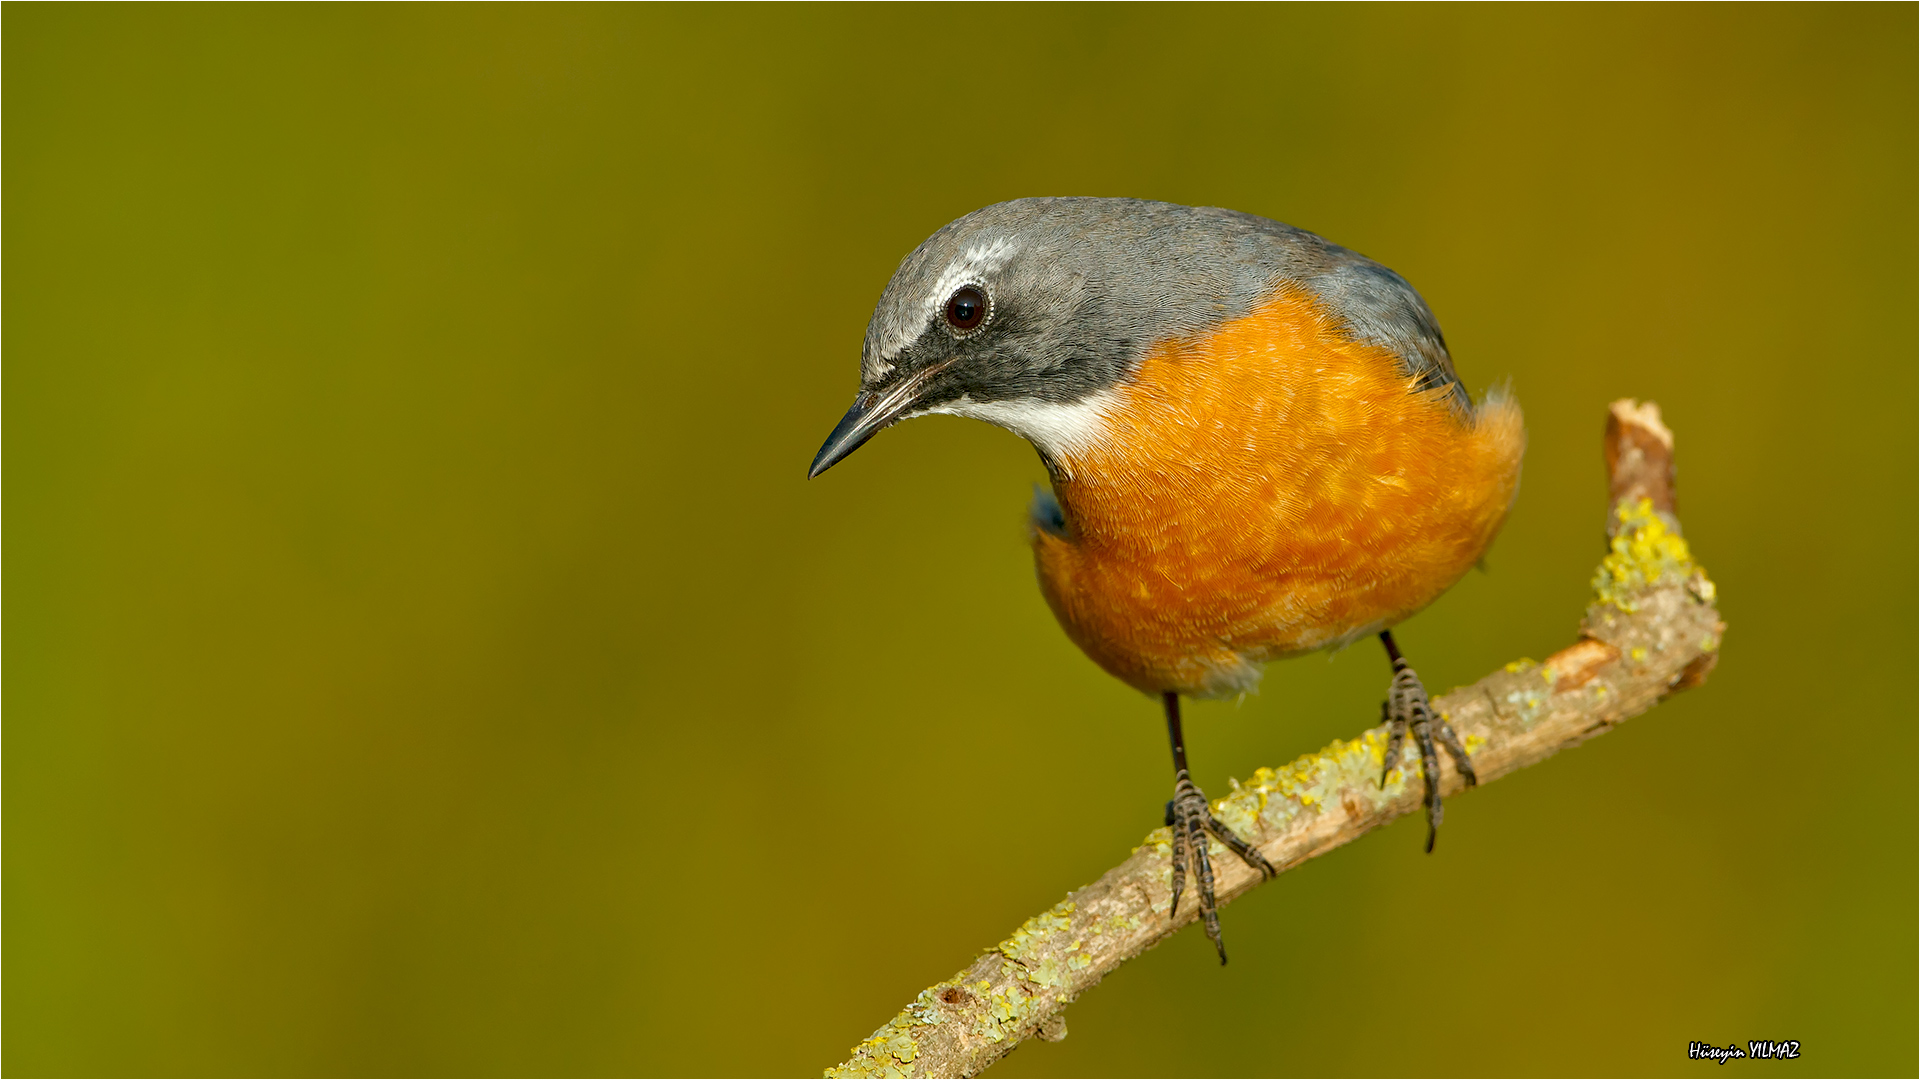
x: 1650, y: 630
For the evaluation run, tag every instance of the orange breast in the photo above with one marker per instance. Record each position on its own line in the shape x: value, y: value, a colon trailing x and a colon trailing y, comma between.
x: 1268, y: 490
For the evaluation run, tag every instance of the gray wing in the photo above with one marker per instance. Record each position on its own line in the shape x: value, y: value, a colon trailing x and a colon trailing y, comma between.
x: 1378, y: 305
x: 1380, y: 308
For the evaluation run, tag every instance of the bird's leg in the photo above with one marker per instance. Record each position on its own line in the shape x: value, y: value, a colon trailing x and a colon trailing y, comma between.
x: 1407, y: 706
x: 1396, y: 734
x: 1190, y: 819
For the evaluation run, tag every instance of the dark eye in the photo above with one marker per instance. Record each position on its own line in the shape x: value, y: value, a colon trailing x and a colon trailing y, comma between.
x: 966, y: 307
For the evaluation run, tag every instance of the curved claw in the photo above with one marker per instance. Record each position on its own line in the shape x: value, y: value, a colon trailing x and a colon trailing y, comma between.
x: 1407, y: 708
x: 1192, y: 821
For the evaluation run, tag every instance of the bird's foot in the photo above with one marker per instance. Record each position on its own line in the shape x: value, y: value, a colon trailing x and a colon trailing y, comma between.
x: 1407, y: 707
x: 1191, y: 820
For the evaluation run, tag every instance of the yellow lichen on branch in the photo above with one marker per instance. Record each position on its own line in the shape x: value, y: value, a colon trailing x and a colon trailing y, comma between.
x: 1650, y: 630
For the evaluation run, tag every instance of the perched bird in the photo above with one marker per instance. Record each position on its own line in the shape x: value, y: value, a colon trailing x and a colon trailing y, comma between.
x: 1257, y: 444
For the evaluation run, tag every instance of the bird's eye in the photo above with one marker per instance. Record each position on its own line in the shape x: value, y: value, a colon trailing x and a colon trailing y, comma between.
x: 966, y: 308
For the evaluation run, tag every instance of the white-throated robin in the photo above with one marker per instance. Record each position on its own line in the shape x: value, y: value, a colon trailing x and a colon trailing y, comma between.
x: 1257, y: 442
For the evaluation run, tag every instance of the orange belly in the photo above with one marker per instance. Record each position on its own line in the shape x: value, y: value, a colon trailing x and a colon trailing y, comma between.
x: 1268, y: 490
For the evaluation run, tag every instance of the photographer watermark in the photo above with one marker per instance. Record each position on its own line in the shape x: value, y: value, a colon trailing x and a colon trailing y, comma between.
x: 1756, y: 1048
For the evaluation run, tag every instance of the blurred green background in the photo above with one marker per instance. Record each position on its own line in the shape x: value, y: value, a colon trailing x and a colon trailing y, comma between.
x: 424, y: 655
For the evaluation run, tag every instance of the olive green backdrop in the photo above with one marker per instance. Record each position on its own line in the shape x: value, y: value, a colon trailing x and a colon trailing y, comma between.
x: 423, y: 654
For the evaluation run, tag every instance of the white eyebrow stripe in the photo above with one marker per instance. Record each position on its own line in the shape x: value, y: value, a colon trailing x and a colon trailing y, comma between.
x: 974, y: 264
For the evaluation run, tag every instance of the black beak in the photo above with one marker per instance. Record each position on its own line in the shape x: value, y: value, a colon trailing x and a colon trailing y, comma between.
x: 871, y: 411
x: 854, y: 429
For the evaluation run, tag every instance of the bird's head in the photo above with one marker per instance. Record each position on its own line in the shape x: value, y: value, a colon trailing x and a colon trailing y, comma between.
x: 1028, y: 314
x: 997, y: 316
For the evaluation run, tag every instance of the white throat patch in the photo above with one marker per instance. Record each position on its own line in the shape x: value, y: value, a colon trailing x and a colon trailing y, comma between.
x: 1062, y: 432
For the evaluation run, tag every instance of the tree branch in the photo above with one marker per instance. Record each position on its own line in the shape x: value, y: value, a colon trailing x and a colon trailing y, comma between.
x: 1651, y: 629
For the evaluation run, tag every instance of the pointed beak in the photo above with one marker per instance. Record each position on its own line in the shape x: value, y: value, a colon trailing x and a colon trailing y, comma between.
x: 872, y: 410
x: 853, y: 430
